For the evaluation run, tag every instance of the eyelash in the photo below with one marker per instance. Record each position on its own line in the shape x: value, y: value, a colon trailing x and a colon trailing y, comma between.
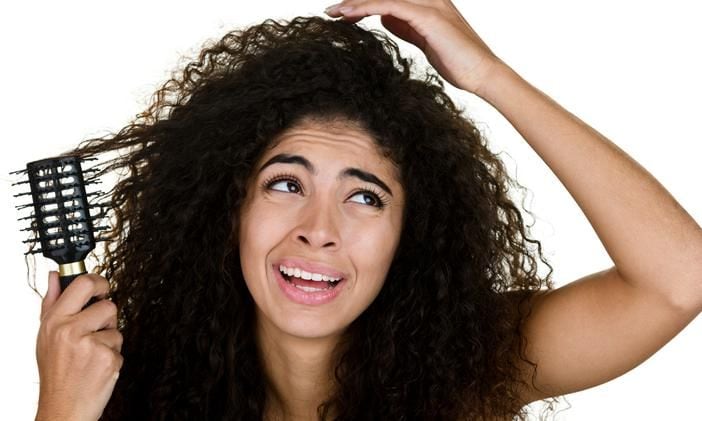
x: 380, y: 198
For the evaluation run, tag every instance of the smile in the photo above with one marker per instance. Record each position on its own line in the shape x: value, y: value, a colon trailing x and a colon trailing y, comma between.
x: 313, y: 291
x: 317, y: 281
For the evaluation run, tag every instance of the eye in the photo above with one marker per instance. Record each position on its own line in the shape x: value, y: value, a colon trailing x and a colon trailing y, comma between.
x: 371, y: 198
x: 287, y: 185
x: 283, y: 183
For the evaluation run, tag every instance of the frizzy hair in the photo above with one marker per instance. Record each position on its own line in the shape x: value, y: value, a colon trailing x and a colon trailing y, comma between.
x: 442, y: 340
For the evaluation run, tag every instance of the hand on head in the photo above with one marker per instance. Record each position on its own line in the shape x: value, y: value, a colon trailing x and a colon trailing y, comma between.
x: 437, y: 28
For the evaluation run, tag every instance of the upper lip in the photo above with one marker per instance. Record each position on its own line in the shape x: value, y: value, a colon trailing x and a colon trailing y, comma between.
x: 309, y: 266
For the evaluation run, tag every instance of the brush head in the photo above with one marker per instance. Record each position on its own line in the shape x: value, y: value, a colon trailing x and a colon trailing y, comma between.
x: 61, y: 218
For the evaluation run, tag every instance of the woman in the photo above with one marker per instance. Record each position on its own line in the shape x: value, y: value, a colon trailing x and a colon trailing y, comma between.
x: 306, y: 147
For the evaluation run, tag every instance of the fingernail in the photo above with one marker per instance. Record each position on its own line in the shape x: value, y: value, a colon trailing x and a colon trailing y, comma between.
x: 345, y: 10
x: 332, y: 8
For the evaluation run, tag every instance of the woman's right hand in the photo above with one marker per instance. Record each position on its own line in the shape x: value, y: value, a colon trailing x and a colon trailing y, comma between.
x: 78, y: 351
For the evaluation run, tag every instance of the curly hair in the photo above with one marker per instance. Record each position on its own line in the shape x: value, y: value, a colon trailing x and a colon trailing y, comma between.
x: 441, y: 341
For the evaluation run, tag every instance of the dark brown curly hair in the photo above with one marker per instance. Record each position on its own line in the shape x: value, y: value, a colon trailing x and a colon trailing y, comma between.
x: 441, y: 341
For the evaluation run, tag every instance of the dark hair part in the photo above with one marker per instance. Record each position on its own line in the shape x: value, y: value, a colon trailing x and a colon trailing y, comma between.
x: 441, y: 341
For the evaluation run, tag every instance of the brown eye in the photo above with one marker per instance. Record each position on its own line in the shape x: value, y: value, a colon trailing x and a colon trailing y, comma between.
x: 369, y: 198
x: 288, y: 186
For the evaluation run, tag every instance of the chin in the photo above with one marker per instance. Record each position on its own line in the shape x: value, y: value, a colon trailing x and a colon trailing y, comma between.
x: 309, y: 326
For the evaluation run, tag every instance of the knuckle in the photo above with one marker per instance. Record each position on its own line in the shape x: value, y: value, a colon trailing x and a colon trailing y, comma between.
x: 101, y: 282
x: 119, y: 339
x: 84, y: 283
x: 110, y: 307
x: 111, y: 361
x: 64, y: 333
x: 49, y: 323
x: 433, y: 14
x: 85, y: 348
x: 119, y: 362
x: 92, y: 282
x: 105, y: 357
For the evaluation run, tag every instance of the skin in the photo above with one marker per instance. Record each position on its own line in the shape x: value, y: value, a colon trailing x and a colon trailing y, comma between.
x: 323, y: 219
x: 604, y: 324
x: 580, y: 335
x: 78, y: 352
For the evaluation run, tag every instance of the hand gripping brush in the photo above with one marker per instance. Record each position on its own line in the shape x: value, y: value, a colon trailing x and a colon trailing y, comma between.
x: 61, y: 218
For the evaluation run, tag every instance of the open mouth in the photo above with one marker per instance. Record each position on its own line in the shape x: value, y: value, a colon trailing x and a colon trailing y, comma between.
x: 309, y: 285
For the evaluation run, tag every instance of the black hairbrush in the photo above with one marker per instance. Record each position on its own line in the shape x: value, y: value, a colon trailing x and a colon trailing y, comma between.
x: 61, y: 218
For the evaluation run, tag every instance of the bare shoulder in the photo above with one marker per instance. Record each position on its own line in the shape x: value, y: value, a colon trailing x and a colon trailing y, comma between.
x: 590, y: 331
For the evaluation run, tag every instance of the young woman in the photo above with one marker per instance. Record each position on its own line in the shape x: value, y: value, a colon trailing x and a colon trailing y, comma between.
x: 308, y: 232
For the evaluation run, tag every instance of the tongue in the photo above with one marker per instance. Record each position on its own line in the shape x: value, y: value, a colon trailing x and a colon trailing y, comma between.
x: 306, y: 283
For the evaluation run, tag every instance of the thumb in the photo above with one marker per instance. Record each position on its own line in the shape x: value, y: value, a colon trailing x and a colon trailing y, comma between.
x: 52, y: 293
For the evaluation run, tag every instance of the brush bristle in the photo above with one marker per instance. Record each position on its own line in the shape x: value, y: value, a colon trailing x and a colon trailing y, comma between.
x: 60, y: 217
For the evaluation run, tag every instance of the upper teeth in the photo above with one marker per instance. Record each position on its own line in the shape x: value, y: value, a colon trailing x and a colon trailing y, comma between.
x: 306, y: 275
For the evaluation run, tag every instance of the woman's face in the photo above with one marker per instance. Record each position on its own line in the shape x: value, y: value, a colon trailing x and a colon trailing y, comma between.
x: 322, y: 201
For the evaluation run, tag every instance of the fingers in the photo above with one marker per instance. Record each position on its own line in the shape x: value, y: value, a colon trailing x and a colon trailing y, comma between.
x: 111, y: 338
x: 354, y: 3
x: 405, y: 10
x: 97, y: 323
x: 98, y: 316
x: 78, y: 350
x: 67, y: 308
x: 79, y: 292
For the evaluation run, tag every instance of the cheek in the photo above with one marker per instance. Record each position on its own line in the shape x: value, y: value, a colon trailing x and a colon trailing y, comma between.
x: 258, y: 235
x: 263, y: 225
x: 373, y: 250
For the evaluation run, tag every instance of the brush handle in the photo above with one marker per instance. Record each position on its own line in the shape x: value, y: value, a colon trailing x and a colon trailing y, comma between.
x: 65, y: 280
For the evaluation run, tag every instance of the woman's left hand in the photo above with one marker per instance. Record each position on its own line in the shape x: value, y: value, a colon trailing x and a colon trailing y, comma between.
x: 437, y: 28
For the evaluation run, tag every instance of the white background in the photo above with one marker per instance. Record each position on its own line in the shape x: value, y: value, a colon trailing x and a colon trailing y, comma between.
x: 73, y: 70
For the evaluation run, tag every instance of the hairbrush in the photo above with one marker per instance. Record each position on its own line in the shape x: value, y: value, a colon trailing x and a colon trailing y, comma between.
x: 61, y: 219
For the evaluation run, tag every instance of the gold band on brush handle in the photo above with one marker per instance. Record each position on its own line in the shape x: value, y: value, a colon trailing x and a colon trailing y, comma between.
x: 74, y: 268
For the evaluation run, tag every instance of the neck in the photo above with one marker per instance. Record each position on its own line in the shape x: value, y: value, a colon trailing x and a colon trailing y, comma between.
x: 298, y: 370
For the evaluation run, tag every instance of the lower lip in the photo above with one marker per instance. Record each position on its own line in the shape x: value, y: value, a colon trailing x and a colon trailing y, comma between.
x: 303, y: 297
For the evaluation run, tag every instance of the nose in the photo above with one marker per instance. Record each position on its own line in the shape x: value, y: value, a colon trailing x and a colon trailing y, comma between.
x: 318, y: 227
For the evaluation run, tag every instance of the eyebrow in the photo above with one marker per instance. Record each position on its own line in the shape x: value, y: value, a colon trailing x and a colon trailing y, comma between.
x: 284, y: 158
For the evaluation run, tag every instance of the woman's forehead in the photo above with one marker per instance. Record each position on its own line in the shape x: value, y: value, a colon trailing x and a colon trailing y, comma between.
x: 341, y: 141
x: 316, y: 131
